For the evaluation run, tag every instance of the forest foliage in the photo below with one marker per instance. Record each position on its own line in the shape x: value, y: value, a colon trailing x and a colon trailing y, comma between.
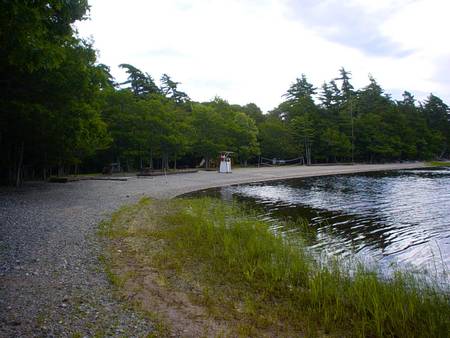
x: 62, y: 112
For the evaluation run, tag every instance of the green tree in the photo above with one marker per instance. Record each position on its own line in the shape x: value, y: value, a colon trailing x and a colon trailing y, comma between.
x: 414, y: 131
x: 338, y: 144
x: 49, y: 108
x: 209, y: 132
x: 170, y: 89
x: 303, y: 133
x: 437, y: 115
x: 129, y: 126
x: 301, y: 112
x: 276, y: 139
x: 141, y: 83
x: 245, y: 137
x: 174, y: 133
x: 330, y: 97
x: 253, y: 111
x: 346, y: 87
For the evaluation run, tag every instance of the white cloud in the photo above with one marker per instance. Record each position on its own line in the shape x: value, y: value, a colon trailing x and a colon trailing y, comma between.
x: 251, y: 51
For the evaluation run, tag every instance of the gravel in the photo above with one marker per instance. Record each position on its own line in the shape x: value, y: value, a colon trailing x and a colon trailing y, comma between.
x: 51, y: 280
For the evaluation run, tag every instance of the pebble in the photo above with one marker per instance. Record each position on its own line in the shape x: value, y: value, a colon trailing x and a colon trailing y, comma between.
x: 53, y: 229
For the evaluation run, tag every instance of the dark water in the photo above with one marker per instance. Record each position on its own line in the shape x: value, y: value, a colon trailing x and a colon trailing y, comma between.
x: 399, y: 218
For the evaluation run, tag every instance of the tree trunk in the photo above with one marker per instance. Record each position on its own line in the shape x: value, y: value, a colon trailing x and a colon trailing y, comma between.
x: 20, y: 164
x: 308, y: 152
x: 443, y: 152
x: 165, y: 162
x: 60, y: 169
x: 151, y: 159
x: 9, y: 160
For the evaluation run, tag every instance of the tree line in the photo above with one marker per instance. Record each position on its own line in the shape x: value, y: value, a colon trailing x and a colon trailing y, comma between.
x: 62, y: 112
x: 338, y: 123
x: 157, y: 126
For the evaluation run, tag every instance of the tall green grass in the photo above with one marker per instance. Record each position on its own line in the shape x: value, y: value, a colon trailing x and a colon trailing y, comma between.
x: 440, y: 164
x: 229, y: 247
x: 268, y: 283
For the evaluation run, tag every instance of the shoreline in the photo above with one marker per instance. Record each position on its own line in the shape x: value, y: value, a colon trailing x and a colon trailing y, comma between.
x: 49, y: 241
x: 208, y: 260
x: 207, y: 179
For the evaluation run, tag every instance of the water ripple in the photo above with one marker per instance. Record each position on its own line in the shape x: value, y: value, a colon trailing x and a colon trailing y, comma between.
x: 400, y: 218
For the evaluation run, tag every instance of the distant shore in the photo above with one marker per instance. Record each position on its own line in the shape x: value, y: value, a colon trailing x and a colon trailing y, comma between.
x: 178, y: 185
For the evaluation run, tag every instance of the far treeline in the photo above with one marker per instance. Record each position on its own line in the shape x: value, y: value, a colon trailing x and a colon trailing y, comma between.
x: 61, y: 112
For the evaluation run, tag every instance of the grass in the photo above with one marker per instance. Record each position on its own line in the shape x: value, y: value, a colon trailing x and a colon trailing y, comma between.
x: 265, y: 284
x: 439, y: 164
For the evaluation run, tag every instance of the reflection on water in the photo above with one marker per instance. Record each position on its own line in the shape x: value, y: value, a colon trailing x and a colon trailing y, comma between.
x: 400, y: 218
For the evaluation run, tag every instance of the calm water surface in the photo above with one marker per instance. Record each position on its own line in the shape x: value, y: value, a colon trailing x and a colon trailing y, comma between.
x: 399, y: 218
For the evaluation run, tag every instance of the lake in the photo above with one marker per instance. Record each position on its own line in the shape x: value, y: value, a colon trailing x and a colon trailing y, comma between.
x: 393, y: 218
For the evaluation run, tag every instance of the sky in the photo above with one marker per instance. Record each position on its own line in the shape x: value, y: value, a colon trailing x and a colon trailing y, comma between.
x: 253, y: 50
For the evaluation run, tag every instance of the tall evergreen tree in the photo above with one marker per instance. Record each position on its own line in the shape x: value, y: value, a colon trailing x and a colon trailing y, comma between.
x: 170, y: 89
x: 437, y: 115
x: 140, y: 83
x: 330, y: 96
x: 346, y: 86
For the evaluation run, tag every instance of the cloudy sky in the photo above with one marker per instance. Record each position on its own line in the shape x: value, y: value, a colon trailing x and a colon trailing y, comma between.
x: 252, y: 50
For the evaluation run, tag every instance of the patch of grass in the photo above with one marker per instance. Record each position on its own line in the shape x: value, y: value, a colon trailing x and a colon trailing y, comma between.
x: 161, y: 328
x: 266, y: 284
x: 439, y: 164
x: 113, y: 278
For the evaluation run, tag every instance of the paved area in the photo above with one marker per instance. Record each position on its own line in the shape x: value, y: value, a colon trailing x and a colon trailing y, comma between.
x: 51, y: 281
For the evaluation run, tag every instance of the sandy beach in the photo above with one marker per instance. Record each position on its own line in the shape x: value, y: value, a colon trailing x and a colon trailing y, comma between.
x: 169, y: 187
